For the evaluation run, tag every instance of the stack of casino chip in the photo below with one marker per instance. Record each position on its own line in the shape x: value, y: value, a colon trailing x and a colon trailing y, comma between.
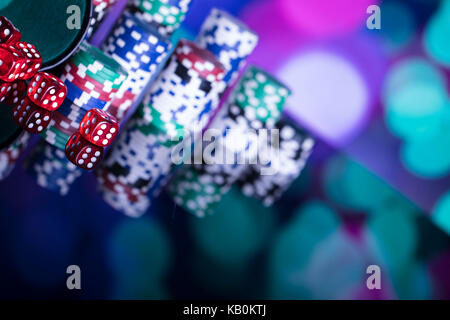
x: 10, y: 154
x: 120, y: 195
x: 195, y: 191
x: 55, y: 136
x: 261, y: 96
x: 141, y: 157
x: 92, y: 80
x: 139, y: 49
x: 287, y: 155
x: 231, y: 41
x: 165, y: 15
x: 99, y: 11
x: 236, y: 127
x: 181, y: 91
x: 51, y: 169
x: 235, y: 146
x: 227, y: 38
x: 135, y: 168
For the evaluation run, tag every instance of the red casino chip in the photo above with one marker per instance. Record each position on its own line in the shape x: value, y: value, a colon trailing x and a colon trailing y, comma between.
x: 87, y: 84
x: 112, y: 183
x: 108, y: 3
x: 119, y: 106
x: 127, y: 96
x: 200, y: 60
x: 64, y: 124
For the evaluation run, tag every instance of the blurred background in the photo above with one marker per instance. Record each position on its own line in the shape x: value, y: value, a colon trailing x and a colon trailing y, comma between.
x: 375, y: 191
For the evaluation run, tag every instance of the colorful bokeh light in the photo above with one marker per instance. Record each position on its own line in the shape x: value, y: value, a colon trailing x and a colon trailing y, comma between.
x: 326, y: 86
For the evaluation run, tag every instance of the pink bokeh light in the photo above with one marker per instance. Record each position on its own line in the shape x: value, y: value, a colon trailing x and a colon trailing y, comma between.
x: 353, y: 57
x: 277, y: 39
x: 325, y: 17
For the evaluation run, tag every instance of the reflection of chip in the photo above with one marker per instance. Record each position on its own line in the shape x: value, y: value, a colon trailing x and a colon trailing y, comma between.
x: 3, y: 163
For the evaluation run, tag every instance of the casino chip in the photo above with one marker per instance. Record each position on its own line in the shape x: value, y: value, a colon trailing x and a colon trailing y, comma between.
x: 165, y: 15
x: 119, y: 195
x: 261, y: 96
x: 228, y: 157
x: 100, y: 10
x: 10, y: 154
x: 92, y: 79
x: 287, y: 159
x: 228, y: 39
x: 98, y: 66
x: 122, y: 203
x: 139, y: 49
x: 181, y: 91
x: 138, y: 164
x: 236, y: 145
x: 231, y: 41
x: 55, y: 137
x: 196, y: 193
x: 141, y: 157
x: 51, y: 169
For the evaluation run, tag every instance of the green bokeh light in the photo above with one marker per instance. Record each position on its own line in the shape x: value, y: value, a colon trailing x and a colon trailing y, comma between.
x: 340, y: 259
x: 412, y: 70
x: 441, y: 213
x: 412, y: 282
x: 4, y: 3
x: 236, y: 231
x: 429, y: 157
x: 393, y: 237
x: 139, y: 256
x: 410, y: 127
x: 294, y: 247
x: 437, y: 33
x: 415, y: 99
x: 353, y: 187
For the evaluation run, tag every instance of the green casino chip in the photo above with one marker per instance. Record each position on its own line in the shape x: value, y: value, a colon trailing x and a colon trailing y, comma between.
x: 149, y: 122
x: 198, y: 194
x: 261, y: 95
x: 170, y: 15
x: 108, y: 68
x: 55, y: 137
x: 92, y: 55
x: 162, y: 13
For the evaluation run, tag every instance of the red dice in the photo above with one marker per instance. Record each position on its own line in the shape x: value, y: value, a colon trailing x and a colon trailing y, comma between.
x: 12, y: 92
x: 5, y: 90
x: 31, y: 117
x: 33, y: 59
x: 8, y: 33
x: 47, y: 91
x: 12, y: 63
x: 99, y: 127
x: 82, y: 153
